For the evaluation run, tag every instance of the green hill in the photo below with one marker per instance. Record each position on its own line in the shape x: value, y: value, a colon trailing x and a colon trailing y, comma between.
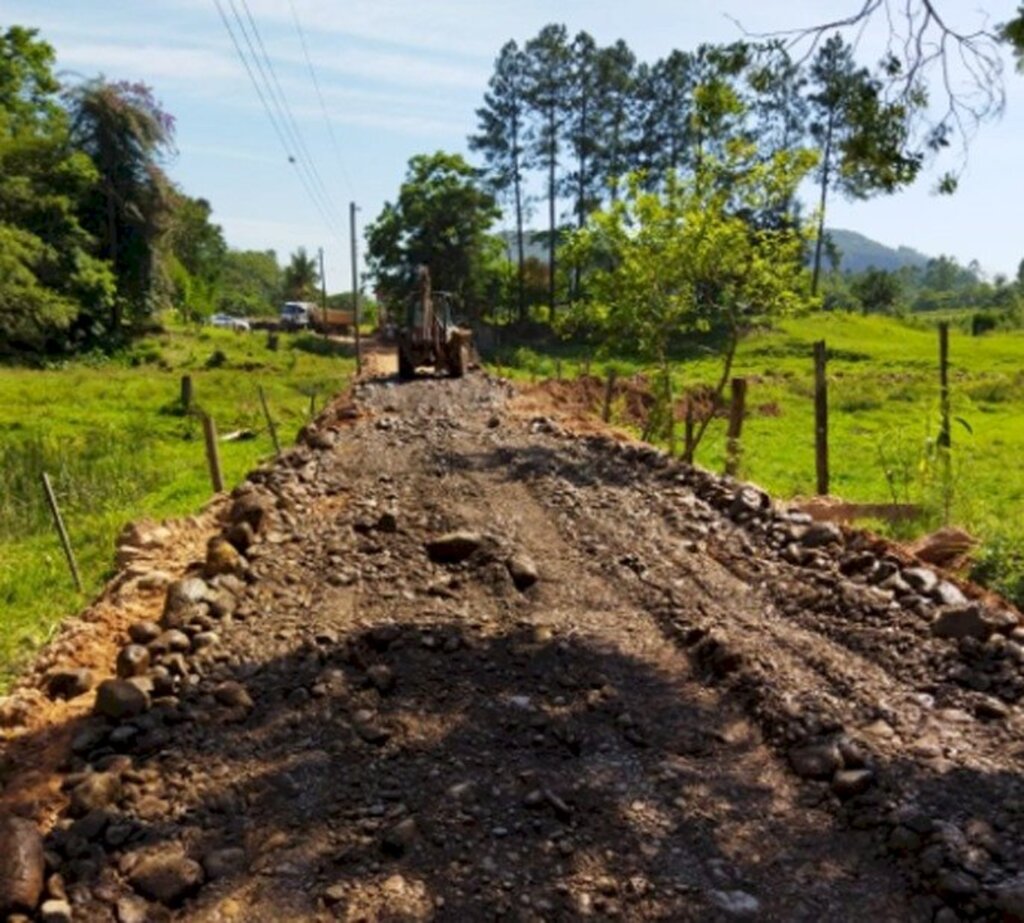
x: 857, y: 252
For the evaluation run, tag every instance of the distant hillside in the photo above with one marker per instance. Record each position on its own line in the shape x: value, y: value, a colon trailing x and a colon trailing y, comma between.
x: 857, y: 252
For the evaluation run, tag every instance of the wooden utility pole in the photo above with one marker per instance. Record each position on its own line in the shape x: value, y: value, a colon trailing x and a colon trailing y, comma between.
x: 736, y: 411
x: 323, y: 292
x: 186, y: 393
x: 58, y: 522
x: 355, y: 284
x: 821, y: 417
x: 212, y: 454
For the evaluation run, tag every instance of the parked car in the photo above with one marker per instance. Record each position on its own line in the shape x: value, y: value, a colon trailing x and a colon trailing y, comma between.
x: 230, y: 322
x: 295, y: 315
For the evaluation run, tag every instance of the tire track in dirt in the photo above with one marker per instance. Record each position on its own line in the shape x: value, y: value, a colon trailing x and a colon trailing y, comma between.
x: 451, y: 661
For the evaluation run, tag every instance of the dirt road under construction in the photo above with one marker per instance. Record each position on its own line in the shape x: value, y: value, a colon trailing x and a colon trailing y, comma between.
x: 455, y: 658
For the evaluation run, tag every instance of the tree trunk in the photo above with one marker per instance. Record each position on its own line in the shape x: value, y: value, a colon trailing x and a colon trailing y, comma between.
x: 730, y: 356
x: 819, y: 243
x: 518, y: 185
x: 552, y: 141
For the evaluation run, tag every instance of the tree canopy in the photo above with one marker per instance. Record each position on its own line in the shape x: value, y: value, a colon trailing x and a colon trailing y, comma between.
x: 686, y: 259
x: 441, y: 219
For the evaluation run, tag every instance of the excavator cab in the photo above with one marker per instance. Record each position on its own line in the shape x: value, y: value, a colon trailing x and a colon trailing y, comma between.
x: 429, y: 335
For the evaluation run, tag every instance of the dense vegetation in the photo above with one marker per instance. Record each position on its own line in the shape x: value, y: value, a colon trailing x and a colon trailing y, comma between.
x: 884, y: 418
x: 95, y: 239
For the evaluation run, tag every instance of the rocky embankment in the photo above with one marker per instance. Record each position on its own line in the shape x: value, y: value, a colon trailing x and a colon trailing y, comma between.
x: 448, y: 659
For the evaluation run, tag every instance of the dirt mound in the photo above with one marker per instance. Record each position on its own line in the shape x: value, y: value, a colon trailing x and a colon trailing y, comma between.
x: 632, y: 399
x: 447, y: 660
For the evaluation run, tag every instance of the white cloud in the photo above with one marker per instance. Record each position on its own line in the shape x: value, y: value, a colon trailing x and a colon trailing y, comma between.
x: 150, y: 61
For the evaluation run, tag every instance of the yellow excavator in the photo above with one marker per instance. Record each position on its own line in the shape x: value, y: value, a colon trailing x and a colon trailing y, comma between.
x: 428, y: 335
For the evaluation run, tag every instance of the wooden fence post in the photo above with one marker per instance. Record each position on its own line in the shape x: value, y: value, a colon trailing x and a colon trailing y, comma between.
x: 270, y: 421
x: 945, y: 435
x: 688, y: 431
x: 186, y: 393
x: 736, y: 410
x: 58, y: 522
x: 821, y: 417
x: 609, y: 386
x: 945, y: 438
x: 212, y: 454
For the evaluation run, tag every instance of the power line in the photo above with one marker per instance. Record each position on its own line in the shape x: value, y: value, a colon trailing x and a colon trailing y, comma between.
x: 298, y: 155
x: 281, y: 134
x: 320, y: 97
x: 289, y: 117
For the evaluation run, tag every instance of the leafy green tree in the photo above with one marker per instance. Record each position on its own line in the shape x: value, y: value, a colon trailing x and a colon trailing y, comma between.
x: 197, y: 254
x: 878, y: 291
x: 501, y: 139
x: 125, y: 132
x: 684, y: 261
x: 441, y: 219
x: 861, y: 138
x: 301, y: 277
x: 52, y: 286
x: 251, y: 283
x: 549, y: 71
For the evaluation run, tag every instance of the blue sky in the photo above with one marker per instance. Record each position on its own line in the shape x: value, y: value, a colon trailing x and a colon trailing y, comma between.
x: 400, y: 77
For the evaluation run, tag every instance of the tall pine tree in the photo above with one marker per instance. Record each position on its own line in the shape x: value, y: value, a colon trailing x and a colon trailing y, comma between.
x: 549, y: 70
x: 502, y: 124
x: 861, y: 138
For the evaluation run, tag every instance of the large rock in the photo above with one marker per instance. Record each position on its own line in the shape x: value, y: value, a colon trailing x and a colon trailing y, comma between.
x: 816, y: 761
x: 95, y: 792
x: 921, y: 579
x: 523, y: 571
x: 22, y: 864
x: 948, y: 594
x: 252, y: 509
x: 820, y: 534
x: 454, y: 547
x: 119, y: 699
x: 222, y: 558
x: 184, y: 597
x: 132, y: 660
x: 963, y: 622
x: 167, y: 875
x: 69, y: 684
x: 1008, y: 898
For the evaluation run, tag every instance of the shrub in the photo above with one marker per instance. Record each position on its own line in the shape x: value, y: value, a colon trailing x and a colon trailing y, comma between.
x: 217, y: 360
x: 1000, y: 567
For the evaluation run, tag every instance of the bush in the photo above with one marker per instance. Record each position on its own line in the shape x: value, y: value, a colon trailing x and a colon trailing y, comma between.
x: 1000, y: 567
x: 217, y: 360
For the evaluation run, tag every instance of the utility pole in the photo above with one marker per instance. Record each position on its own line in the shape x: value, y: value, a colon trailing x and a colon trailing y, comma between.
x: 323, y: 294
x: 355, y: 285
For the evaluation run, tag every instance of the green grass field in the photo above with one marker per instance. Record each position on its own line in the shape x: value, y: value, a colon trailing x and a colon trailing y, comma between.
x: 111, y: 434
x: 884, y: 417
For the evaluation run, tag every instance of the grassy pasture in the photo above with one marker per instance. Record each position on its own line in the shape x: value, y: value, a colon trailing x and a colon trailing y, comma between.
x: 884, y: 417
x: 113, y: 438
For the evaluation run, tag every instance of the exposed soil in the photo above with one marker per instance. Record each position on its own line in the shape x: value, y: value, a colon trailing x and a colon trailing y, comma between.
x: 623, y: 689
